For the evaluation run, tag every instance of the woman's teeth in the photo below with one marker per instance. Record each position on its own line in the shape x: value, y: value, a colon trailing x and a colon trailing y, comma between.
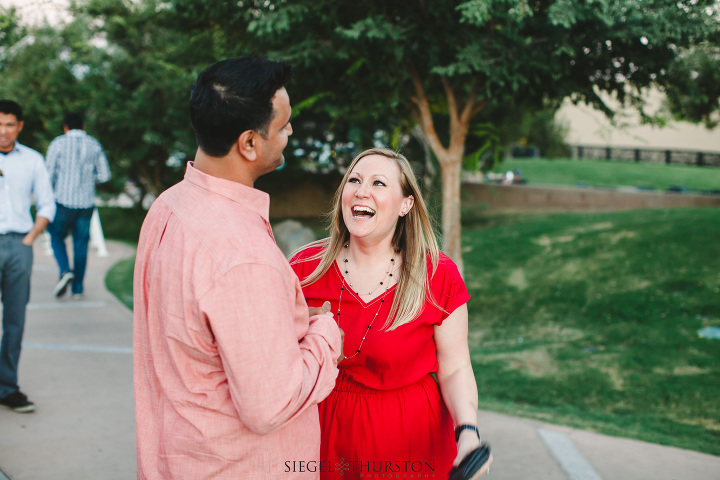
x: 363, y: 211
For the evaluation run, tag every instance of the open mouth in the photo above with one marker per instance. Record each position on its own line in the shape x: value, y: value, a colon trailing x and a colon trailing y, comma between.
x: 363, y: 212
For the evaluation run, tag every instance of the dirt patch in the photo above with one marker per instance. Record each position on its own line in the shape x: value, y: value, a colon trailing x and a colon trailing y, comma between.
x: 517, y: 279
x: 556, y: 333
x: 616, y: 237
x: 536, y: 363
x: 615, y: 377
x: 475, y: 338
x: 594, y: 227
x: 701, y: 422
x: 547, y: 242
x: 682, y: 370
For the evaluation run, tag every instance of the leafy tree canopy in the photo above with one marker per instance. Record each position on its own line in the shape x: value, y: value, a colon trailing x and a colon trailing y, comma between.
x: 445, y: 72
x: 440, y: 63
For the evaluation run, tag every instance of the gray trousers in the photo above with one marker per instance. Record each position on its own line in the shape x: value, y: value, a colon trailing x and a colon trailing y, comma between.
x: 16, y: 261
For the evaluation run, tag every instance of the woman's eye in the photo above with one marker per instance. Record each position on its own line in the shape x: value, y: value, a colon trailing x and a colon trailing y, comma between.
x: 379, y: 183
x: 353, y: 180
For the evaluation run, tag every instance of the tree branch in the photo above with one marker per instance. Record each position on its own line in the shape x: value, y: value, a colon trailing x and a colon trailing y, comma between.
x: 478, y: 108
x: 451, y: 100
x: 424, y: 116
x: 468, y: 110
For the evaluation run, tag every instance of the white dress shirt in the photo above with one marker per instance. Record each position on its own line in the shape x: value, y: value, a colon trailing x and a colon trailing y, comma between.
x: 24, y: 177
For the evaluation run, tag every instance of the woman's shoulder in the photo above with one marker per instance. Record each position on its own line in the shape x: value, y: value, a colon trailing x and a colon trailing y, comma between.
x: 310, y: 252
x: 445, y: 273
x: 445, y: 265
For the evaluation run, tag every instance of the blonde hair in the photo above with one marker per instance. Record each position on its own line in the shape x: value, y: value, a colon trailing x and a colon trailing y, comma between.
x: 414, y: 237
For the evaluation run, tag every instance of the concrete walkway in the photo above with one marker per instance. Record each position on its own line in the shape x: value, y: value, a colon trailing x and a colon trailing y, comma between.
x: 76, y: 366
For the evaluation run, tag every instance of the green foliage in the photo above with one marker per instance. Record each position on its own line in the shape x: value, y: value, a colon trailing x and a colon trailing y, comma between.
x: 540, y: 129
x: 122, y: 223
x: 11, y: 33
x: 696, y: 76
x: 488, y: 154
x: 592, y: 320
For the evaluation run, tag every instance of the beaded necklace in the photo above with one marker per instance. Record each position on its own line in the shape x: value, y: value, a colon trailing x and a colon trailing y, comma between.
x: 382, y: 299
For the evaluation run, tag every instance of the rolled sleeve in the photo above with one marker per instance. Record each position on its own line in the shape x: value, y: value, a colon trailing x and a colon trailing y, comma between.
x: 102, y: 168
x: 42, y: 189
x: 278, y: 362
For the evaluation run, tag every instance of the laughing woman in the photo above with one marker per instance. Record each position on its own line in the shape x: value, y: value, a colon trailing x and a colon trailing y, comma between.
x: 406, y: 399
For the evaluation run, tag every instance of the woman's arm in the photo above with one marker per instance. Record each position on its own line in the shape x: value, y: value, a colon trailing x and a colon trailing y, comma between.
x: 456, y: 378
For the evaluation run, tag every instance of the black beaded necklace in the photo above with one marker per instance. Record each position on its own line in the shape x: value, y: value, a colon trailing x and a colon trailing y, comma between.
x: 388, y: 273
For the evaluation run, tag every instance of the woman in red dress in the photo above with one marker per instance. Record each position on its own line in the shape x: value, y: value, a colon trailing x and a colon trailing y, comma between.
x: 405, y: 402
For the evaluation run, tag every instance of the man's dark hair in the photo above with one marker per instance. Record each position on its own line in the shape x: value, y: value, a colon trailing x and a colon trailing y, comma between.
x: 232, y: 96
x: 74, y: 121
x: 9, y: 107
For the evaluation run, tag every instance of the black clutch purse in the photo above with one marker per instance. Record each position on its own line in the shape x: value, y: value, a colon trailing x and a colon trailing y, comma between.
x: 470, y: 466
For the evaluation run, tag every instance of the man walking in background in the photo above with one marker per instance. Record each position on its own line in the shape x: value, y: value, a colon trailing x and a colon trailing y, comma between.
x: 22, y: 176
x: 75, y: 162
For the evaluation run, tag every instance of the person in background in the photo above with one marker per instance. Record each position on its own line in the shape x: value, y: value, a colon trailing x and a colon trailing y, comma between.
x: 76, y: 162
x: 22, y: 176
x: 406, y: 396
x: 228, y: 364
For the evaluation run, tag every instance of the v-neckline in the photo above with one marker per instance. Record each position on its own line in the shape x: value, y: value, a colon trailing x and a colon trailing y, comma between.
x: 354, y: 294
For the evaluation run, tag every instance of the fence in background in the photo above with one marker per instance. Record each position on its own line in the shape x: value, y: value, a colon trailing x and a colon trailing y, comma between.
x: 648, y: 155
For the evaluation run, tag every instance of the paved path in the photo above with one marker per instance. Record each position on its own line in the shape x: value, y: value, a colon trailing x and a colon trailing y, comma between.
x: 76, y: 366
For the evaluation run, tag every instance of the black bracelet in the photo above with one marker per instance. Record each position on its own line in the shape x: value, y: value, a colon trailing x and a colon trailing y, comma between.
x: 459, y: 430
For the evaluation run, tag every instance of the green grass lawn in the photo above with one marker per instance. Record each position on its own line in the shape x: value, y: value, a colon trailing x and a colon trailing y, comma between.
x: 592, y: 321
x: 119, y: 281
x: 604, y: 174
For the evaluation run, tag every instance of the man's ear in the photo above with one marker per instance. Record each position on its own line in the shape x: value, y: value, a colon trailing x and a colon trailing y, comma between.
x: 246, y: 144
x: 20, y: 126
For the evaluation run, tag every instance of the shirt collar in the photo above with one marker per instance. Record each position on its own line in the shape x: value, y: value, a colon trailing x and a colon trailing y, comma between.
x: 252, y: 198
x: 16, y: 148
x: 76, y: 132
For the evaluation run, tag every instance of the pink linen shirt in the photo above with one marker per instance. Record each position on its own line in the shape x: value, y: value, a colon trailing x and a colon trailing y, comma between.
x: 228, y: 368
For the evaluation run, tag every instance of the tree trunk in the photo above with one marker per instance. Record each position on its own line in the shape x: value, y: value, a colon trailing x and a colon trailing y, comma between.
x: 451, y: 170
x: 450, y: 157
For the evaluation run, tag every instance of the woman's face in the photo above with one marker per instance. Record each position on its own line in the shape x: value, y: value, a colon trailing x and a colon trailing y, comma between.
x: 372, y: 199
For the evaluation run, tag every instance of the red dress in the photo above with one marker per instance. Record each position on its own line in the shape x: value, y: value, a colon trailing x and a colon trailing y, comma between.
x: 385, y: 417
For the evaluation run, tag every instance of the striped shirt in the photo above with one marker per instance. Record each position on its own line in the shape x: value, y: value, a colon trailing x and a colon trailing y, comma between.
x: 76, y: 162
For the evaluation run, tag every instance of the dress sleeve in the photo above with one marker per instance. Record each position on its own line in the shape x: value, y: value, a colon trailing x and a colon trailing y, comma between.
x: 448, y: 287
x: 300, y: 263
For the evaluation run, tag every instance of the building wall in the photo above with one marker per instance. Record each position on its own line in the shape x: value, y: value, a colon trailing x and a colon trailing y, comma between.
x: 587, y: 126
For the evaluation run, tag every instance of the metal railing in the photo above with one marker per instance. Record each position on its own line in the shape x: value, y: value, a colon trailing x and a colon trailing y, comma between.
x: 649, y: 155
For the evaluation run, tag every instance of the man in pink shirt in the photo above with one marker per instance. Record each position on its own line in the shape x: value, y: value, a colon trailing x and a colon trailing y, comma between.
x: 228, y: 365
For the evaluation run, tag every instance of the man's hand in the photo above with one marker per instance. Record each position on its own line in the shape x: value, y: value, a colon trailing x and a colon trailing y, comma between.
x: 342, y: 346
x: 323, y: 310
x: 319, y: 310
x: 40, y: 224
x: 28, y: 239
